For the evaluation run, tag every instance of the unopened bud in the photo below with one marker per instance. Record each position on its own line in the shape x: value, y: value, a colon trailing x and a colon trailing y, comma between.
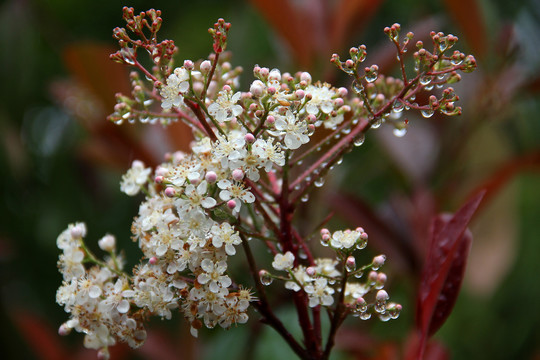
x: 205, y: 67
x: 211, y: 177
x: 237, y: 174
x: 170, y: 192
x: 107, y: 243
x: 231, y: 204
x: 249, y: 138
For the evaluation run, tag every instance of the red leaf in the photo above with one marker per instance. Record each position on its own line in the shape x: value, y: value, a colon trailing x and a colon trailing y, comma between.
x: 40, y: 336
x: 443, y: 270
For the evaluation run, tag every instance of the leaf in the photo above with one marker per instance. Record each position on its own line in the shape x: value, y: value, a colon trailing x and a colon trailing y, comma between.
x: 443, y: 270
x: 40, y: 336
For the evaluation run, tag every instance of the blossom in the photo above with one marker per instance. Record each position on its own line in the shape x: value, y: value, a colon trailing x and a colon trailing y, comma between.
x: 135, y: 177
x: 177, y: 85
x: 234, y: 190
x: 225, y: 107
x: 319, y: 293
x: 224, y: 234
x: 195, y: 198
x: 344, y: 239
x: 213, y: 275
x: 294, y: 131
x: 283, y: 261
x: 321, y: 99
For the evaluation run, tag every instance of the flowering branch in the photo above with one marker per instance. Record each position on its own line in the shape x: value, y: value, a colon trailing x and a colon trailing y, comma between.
x: 243, y: 177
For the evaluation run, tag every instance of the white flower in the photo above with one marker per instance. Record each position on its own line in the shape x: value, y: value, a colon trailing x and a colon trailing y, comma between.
x: 177, y: 85
x: 213, y: 275
x: 283, y: 261
x: 321, y: 98
x: 268, y: 153
x: 225, y: 234
x: 195, y: 198
x: 319, y: 293
x: 327, y: 267
x: 225, y: 107
x: 135, y: 177
x: 344, y: 239
x: 295, y: 131
x: 234, y: 191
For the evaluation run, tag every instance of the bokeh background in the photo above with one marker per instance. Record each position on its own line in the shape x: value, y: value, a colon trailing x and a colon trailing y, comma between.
x: 61, y: 162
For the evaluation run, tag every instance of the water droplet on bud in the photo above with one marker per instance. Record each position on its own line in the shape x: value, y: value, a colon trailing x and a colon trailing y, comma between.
x: 319, y: 182
x: 427, y: 113
x: 359, y: 140
x: 266, y: 277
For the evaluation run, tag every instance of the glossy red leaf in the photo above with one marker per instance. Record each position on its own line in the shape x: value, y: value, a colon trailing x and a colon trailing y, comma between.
x: 443, y: 269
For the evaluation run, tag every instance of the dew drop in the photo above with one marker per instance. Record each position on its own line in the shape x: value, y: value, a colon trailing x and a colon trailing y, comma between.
x: 359, y: 140
x: 425, y: 80
x: 427, y: 113
x: 266, y: 278
x: 339, y: 161
x: 357, y: 87
x: 319, y: 182
x: 304, y: 198
x: 371, y: 77
x: 377, y: 123
x: 443, y: 45
x: 398, y: 106
x: 385, y: 316
x: 365, y: 315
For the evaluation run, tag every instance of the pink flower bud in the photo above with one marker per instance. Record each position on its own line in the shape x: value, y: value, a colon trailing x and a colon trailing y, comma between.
x: 211, y: 177
x: 188, y: 64
x: 78, y: 231
x: 311, y: 271
x: 153, y: 260
x: 231, y: 204
x: 170, y: 192
x: 299, y: 94
x: 205, y: 67
x: 381, y: 278
x: 378, y: 261
x: 372, y: 276
x: 270, y: 119
x: 238, y: 174
x: 158, y: 179
x: 338, y: 102
x: 271, y: 90
x: 311, y: 118
x: 249, y: 138
x: 264, y: 72
x: 382, y: 295
x: 349, y: 63
x: 226, y: 88
x: 253, y: 107
x: 305, y: 76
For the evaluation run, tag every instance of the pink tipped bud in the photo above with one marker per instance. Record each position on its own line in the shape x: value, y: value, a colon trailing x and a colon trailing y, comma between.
x: 231, y: 204
x: 349, y: 63
x: 338, y: 102
x: 205, y: 67
x: 382, y: 295
x: 64, y: 330
x: 264, y: 72
x: 271, y: 90
x: 299, y: 94
x: 311, y: 271
x: 326, y: 237
x: 103, y: 354
x: 361, y: 301
x: 170, y: 192
x: 211, y: 177
x: 237, y: 174
x: 158, y: 179
x: 378, y: 261
x: 270, y: 119
x: 342, y: 92
x: 227, y: 88
x: 305, y: 76
x: 311, y: 118
x: 325, y: 231
x: 351, y: 262
x: 311, y: 128
x: 188, y: 64
x: 359, y: 229
x: 249, y: 138
x: 153, y: 260
x: 372, y: 276
x: 253, y: 107
x: 381, y: 278
x: 161, y: 171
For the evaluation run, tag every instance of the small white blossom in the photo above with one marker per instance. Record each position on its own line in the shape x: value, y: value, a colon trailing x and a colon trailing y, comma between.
x: 177, y: 85
x: 234, y: 190
x: 135, y: 177
x: 319, y: 293
x: 283, y: 261
x: 225, y: 107
x: 294, y: 131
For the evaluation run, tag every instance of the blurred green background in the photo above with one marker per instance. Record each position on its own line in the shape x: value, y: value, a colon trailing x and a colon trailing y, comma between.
x: 61, y: 161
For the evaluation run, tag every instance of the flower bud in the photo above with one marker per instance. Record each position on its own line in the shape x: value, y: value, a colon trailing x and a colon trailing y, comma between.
x: 231, y: 204
x: 211, y: 177
x: 238, y: 174
x: 170, y: 192
x: 205, y: 67
x: 107, y: 243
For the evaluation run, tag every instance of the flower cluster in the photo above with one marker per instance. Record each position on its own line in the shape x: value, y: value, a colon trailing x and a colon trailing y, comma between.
x: 253, y: 158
